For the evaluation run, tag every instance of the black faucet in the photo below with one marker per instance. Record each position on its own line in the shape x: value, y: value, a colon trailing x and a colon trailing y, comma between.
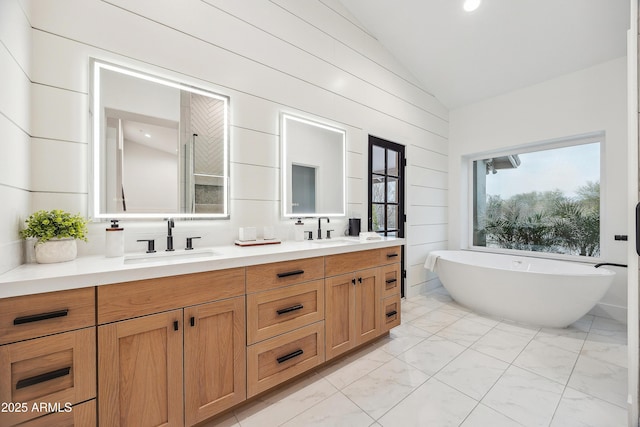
x: 320, y: 227
x: 170, y: 225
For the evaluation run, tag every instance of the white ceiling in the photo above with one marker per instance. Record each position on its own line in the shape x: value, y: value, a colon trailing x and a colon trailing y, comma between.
x: 504, y: 45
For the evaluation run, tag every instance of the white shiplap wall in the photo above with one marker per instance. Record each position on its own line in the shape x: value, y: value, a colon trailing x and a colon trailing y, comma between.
x: 15, y: 128
x: 306, y: 57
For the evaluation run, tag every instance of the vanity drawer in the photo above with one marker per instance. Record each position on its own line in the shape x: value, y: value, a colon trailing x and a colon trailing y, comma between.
x: 82, y: 415
x: 390, y: 312
x: 390, y: 255
x: 56, y: 369
x: 275, y: 312
x: 390, y: 280
x: 32, y: 316
x: 345, y: 263
x: 276, y: 360
x: 269, y: 276
x: 133, y: 299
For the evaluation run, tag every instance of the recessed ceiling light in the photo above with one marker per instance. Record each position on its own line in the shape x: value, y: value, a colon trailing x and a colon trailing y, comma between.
x: 471, y: 5
x: 148, y: 135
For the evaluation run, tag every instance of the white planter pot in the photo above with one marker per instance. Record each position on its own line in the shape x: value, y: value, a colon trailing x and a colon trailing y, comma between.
x: 56, y: 250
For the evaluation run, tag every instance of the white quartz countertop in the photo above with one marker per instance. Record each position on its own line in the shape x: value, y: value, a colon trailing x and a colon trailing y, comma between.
x: 99, y: 270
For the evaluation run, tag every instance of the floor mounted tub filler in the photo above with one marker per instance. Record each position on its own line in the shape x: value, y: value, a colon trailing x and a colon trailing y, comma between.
x: 523, y: 289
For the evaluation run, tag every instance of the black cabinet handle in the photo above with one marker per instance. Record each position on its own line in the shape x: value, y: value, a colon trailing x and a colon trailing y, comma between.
x: 290, y: 273
x: 42, y: 316
x: 391, y: 281
x: 359, y: 279
x: 353, y: 281
x: 192, y: 321
x: 392, y: 255
x: 175, y: 325
x: 48, y: 376
x: 392, y: 313
x: 638, y: 228
x: 290, y: 309
x: 289, y: 356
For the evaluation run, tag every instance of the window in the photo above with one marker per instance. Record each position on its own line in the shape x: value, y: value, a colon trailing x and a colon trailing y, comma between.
x: 545, y: 199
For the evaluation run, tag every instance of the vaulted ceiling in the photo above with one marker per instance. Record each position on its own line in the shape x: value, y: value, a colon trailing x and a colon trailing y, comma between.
x: 464, y: 57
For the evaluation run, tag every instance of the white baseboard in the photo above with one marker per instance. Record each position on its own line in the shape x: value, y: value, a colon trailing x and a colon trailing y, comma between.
x: 610, y: 311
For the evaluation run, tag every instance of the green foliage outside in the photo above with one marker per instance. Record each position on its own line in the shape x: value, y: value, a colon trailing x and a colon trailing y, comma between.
x: 546, y: 221
x: 46, y: 225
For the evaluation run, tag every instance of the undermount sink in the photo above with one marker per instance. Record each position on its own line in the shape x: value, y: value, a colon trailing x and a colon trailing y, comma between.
x: 168, y: 256
x: 336, y: 242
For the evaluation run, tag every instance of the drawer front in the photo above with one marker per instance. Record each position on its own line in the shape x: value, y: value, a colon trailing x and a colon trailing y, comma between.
x: 390, y: 255
x: 390, y: 312
x: 270, y: 276
x: 390, y: 280
x: 133, y: 299
x: 282, y: 310
x: 276, y: 360
x: 346, y: 263
x: 57, y: 369
x: 33, y: 316
x: 82, y: 415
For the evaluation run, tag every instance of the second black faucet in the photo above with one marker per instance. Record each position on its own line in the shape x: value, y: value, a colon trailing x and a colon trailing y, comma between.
x: 170, y: 225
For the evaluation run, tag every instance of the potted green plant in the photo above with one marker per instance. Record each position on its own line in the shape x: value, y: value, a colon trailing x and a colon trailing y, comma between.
x: 56, y: 232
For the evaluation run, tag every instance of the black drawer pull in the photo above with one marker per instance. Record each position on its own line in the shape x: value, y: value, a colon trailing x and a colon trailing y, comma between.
x: 43, y: 377
x: 175, y: 325
x: 290, y: 273
x: 289, y: 356
x: 41, y: 316
x: 391, y: 281
x: 192, y: 321
x: 290, y: 309
x: 392, y: 255
x: 392, y: 313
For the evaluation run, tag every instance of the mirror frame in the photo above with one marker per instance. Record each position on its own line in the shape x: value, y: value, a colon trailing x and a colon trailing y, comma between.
x: 284, y: 170
x: 95, y: 173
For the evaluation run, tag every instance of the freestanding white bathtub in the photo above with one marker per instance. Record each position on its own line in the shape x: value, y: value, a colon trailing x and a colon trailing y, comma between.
x: 524, y: 289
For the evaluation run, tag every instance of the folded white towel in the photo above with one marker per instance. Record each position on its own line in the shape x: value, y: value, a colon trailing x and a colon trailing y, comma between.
x: 430, y: 263
x: 369, y: 235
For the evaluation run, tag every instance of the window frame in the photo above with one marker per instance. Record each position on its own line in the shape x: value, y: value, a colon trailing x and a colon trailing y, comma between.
x: 570, y: 141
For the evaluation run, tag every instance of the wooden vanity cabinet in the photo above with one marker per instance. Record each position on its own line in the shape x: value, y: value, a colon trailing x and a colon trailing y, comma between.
x: 355, y: 288
x: 285, y: 321
x: 352, y: 310
x: 48, y: 356
x: 175, y: 367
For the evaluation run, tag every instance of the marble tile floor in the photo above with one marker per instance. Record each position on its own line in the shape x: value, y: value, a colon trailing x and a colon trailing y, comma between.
x: 447, y: 366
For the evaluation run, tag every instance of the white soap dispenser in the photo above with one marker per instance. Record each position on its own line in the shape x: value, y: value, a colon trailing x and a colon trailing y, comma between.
x: 114, y: 240
x: 298, y: 231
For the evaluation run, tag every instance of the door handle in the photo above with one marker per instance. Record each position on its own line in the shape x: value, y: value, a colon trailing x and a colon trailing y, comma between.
x: 638, y: 229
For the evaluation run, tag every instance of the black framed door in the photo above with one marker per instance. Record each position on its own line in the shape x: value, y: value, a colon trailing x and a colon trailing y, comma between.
x: 386, y: 190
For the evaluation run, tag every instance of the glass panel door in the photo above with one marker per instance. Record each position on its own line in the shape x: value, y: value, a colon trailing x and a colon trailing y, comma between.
x: 386, y: 190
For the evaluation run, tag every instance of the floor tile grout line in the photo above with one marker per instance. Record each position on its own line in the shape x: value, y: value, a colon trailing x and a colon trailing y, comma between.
x: 566, y: 385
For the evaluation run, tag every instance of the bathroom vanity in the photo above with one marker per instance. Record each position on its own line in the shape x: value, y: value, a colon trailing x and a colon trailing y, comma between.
x: 176, y: 341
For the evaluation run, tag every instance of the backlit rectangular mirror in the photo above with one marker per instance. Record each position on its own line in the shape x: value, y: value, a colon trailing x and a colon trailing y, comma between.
x: 159, y: 147
x: 313, y: 168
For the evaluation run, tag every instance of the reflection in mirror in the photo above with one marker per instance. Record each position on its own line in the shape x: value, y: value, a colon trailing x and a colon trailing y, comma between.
x: 160, y: 147
x: 313, y: 168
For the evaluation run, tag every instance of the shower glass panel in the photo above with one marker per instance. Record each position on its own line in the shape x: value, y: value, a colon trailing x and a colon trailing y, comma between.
x: 204, y: 168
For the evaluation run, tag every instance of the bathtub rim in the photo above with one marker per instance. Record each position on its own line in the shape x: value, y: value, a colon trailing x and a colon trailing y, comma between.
x: 601, y: 271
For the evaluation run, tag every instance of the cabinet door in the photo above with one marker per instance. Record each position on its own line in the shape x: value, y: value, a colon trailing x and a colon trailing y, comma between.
x: 215, y: 358
x: 140, y: 371
x: 367, y: 309
x: 340, y: 293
